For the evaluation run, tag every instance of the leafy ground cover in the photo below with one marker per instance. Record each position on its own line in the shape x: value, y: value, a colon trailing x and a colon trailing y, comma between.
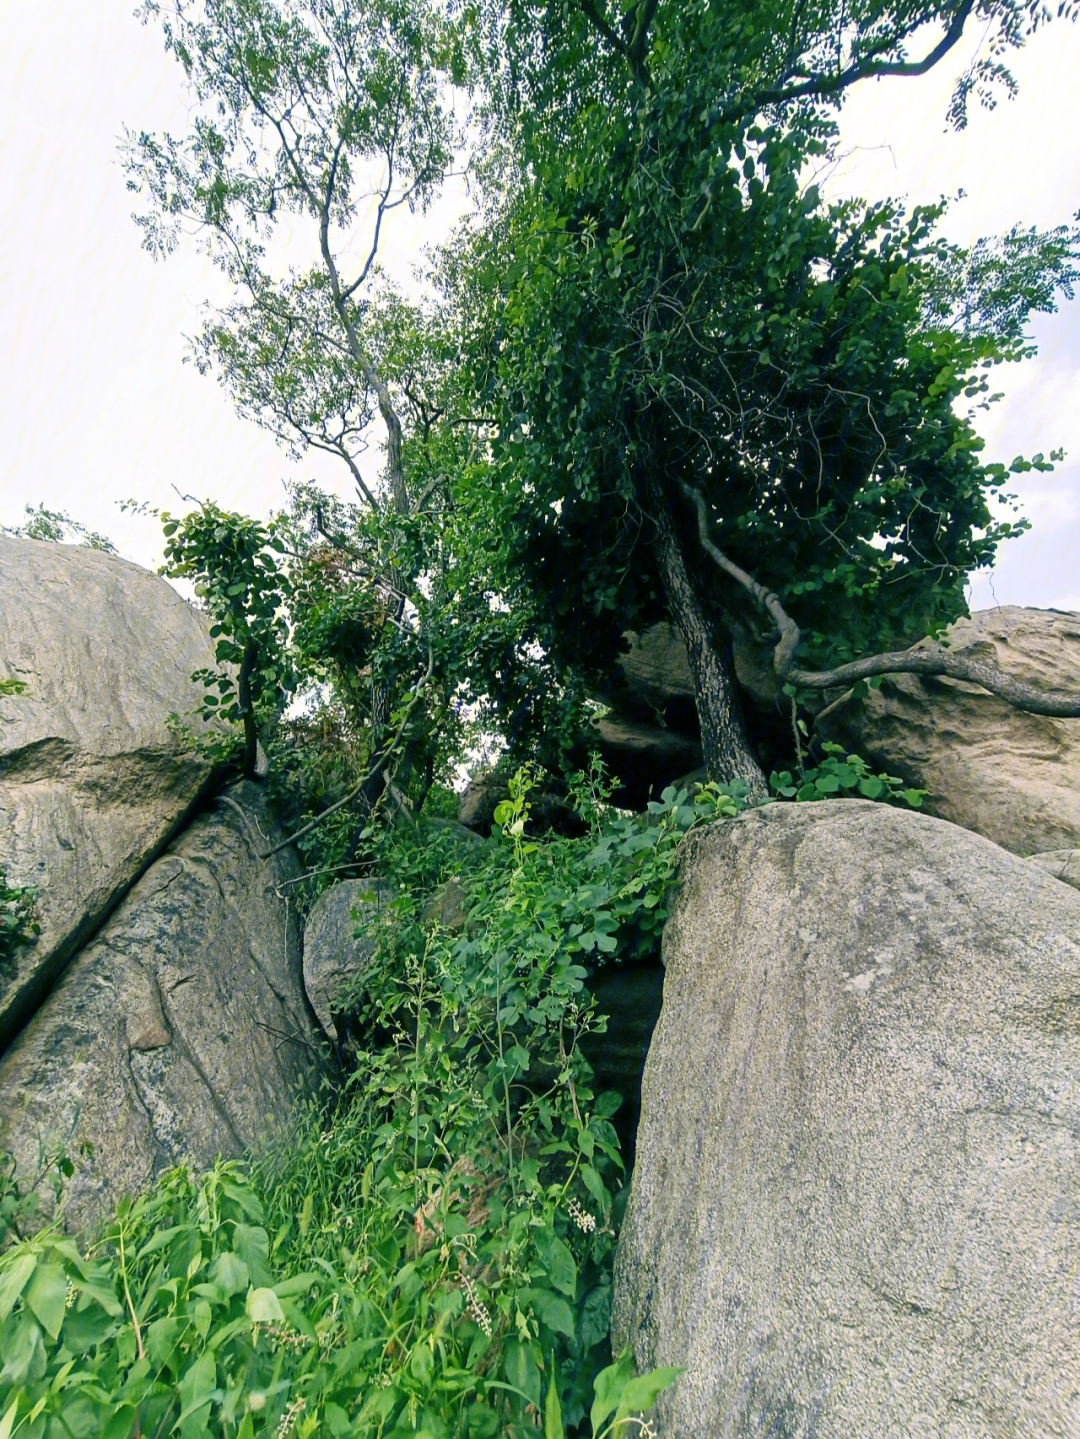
x: 430, y: 1252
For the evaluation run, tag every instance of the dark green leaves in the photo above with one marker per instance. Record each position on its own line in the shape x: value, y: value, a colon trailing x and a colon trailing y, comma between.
x: 843, y: 775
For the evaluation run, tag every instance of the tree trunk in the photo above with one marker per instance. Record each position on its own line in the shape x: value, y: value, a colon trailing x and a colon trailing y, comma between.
x: 728, y: 754
x: 249, y: 765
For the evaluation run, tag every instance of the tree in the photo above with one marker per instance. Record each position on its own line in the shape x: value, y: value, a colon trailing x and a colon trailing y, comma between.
x: 315, y: 121
x: 664, y: 378
x: 714, y: 397
x: 58, y: 526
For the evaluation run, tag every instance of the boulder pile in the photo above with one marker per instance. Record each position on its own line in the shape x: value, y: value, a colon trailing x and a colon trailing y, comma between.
x: 854, y: 1207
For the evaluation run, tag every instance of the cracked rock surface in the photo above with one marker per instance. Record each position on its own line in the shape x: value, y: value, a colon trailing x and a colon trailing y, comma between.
x: 1011, y: 776
x: 181, y: 1031
x: 854, y: 1209
x: 92, y: 783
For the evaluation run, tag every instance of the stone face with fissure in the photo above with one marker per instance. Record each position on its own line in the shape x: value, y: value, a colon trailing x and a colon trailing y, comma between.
x: 855, y: 1208
x: 92, y: 784
x: 181, y: 1031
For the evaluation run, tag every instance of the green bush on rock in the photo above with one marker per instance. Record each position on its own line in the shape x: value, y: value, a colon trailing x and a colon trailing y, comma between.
x: 17, y: 922
x: 840, y: 775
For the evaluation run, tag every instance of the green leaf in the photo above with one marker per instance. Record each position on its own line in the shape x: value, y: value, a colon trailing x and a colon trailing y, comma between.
x: 252, y: 1244
x: 23, y: 1352
x: 196, y: 1389
x: 13, y: 1282
x: 640, y: 1394
x: 46, y: 1295
x: 229, y: 1272
x: 593, y: 1183
x: 520, y: 1368
x: 264, y: 1307
x: 550, y: 1309
x: 553, y: 1421
x: 560, y: 1266
x: 298, y: 1284
x: 120, y: 1425
x: 9, y: 1419
x: 608, y: 1387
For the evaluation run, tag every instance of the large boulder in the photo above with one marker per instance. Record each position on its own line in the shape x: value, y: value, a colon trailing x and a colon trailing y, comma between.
x: 650, y: 734
x: 1011, y: 776
x: 854, y: 1210
x: 337, y: 947
x: 92, y: 783
x: 645, y: 758
x: 181, y: 1031
x: 1064, y: 864
x: 652, y: 682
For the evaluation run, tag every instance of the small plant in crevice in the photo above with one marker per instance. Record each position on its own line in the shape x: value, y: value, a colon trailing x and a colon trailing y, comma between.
x: 18, y: 924
x: 839, y: 775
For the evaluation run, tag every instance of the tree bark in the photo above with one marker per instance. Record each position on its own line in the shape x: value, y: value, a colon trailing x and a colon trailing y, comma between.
x: 249, y: 765
x: 728, y: 754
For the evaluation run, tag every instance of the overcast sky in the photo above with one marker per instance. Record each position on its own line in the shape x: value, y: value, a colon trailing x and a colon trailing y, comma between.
x: 96, y: 404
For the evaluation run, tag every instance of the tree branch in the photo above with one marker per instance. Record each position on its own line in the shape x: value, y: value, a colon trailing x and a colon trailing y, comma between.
x: 602, y: 28
x: 784, y: 652
x: 924, y: 658
x: 639, y: 40
x: 830, y: 85
x: 933, y: 659
x: 380, y: 760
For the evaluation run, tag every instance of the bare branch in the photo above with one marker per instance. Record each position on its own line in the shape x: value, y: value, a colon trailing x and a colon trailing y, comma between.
x: 602, y: 28
x: 827, y: 86
x: 934, y: 659
x: 789, y: 630
x: 924, y: 658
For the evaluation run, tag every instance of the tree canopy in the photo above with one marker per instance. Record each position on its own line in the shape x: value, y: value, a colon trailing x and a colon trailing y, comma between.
x: 666, y: 313
x: 656, y: 373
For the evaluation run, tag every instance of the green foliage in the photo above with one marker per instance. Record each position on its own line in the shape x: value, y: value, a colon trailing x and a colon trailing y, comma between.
x: 20, y: 1201
x: 676, y: 307
x: 236, y: 568
x: 658, y: 296
x: 844, y: 776
x: 17, y: 922
x: 45, y: 524
x: 431, y: 1252
x: 9, y: 685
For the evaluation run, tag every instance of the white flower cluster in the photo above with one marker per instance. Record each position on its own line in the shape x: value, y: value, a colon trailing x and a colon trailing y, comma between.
x: 585, y: 1222
x: 476, y: 1310
x: 287, y: 1338
x: 288, y: 1420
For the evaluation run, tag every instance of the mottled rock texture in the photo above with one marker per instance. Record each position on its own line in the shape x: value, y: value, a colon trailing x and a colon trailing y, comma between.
x: 92, y: 784
x: 334, y: 954
x: 1011, y: 776
x: 1062, y: 863
x: 181, y: 1031
x: 652, y: 680
x: 855, y: 1208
